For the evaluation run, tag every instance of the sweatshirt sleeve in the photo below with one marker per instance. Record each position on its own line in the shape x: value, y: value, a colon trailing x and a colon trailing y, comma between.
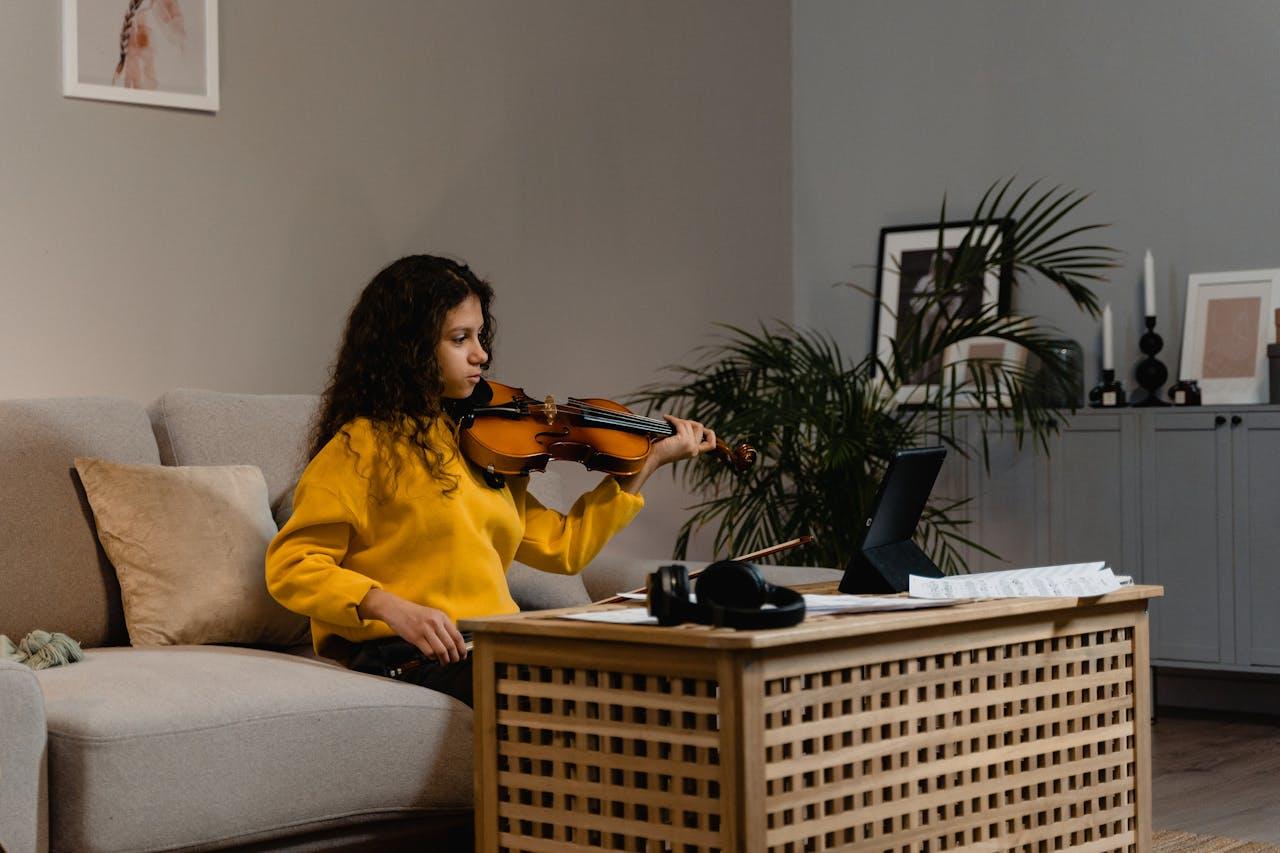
x: 565, y: 544
x: 304, y: 571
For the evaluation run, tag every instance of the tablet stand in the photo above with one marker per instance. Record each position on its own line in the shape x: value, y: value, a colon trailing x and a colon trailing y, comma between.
x: 887, y: 568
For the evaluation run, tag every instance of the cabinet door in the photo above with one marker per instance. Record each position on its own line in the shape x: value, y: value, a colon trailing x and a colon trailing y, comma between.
x: 1010, y: 500
x: 1093, y: 493
x: 1256, y: 505
x: 1186, y: 497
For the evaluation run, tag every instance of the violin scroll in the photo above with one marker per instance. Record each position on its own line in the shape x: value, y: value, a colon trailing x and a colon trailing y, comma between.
x: 740, y: 457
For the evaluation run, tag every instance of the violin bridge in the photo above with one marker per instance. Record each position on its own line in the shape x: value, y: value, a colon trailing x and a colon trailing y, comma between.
x: 549, y: 408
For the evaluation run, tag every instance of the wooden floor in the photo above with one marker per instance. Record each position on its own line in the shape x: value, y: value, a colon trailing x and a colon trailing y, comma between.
x: 1217, y: 775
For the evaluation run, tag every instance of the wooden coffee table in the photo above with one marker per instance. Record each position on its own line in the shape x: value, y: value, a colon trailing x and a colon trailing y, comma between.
x: 992, y: 725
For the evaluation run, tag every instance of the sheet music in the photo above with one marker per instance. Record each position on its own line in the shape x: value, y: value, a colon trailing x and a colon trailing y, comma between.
x: 818, y: 604
x: 1073, y: 580
x: 815, y: 605
x: 618, y: 616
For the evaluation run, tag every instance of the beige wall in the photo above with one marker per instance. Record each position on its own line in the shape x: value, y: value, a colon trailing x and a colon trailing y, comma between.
x: 619, y: 170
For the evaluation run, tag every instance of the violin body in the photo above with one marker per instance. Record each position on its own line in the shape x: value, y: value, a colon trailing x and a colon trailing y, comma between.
x: 515, y: 434
x: 526, y: 441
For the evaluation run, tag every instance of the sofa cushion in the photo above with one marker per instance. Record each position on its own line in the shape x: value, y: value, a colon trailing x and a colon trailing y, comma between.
x: 161, y: 748
x: 56, y: 576
x: 188, y: 544
x: 214, y: 428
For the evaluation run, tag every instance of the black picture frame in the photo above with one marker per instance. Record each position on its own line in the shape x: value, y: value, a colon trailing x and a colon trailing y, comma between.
x: 902, y: 249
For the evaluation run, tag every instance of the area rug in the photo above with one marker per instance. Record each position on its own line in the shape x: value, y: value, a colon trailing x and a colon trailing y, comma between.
x: 1186, y: 842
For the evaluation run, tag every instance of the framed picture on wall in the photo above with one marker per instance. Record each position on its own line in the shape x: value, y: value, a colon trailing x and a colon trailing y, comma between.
x: 908, y: 269
x: 162, y: 53
x: 1228, y: 325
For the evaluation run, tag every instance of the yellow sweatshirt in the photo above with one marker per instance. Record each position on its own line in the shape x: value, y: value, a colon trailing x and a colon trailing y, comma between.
x: 450, y: 552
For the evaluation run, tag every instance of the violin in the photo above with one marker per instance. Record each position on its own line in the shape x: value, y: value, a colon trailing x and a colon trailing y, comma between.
x: 508, y: 432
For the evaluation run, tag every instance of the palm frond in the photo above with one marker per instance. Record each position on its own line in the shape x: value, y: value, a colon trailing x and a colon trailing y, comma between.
x: 826, y: 426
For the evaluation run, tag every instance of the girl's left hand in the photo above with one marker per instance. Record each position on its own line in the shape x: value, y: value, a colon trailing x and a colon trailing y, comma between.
x: 691, y: 438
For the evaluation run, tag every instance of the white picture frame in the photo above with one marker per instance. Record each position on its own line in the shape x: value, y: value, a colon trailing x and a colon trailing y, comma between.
x: 961, y: 357
x: 1229, y: 322
x: 902, y: 251
x: 179, y: 68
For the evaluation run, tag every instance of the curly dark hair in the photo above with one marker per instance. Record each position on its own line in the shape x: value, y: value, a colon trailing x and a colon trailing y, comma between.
x: 386, y: 369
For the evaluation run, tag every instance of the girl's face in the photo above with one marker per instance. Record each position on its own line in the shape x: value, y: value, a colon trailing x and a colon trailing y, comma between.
x: 459, y: 351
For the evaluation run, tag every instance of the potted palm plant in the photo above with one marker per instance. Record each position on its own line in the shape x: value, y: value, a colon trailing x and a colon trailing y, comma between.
x: 826, y: 426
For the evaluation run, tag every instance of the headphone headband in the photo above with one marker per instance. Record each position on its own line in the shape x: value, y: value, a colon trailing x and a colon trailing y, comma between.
x: 729, y: 594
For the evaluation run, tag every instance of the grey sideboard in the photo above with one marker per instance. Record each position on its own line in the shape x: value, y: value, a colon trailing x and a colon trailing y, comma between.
x: 1188, y: 498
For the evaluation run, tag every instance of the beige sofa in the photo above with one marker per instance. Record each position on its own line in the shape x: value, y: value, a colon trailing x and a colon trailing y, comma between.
x: 209, y: 747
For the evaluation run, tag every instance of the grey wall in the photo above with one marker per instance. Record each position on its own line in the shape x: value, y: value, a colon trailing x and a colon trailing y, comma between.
x: 619, y: 170
x: 1168, y: 111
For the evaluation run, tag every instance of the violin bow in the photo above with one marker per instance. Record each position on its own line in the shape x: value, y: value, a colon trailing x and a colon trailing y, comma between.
x: 754, y: 555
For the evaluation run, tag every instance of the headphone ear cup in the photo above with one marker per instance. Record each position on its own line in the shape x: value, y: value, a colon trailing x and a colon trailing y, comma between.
x: 729, y: 583
x: 669, y: 594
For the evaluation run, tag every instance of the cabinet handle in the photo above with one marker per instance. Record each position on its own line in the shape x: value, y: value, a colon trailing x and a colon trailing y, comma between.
x: 1236, y: 420
x: 1219, y: 420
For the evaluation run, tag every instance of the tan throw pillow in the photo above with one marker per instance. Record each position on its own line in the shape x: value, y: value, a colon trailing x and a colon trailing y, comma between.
x: 188, y: 546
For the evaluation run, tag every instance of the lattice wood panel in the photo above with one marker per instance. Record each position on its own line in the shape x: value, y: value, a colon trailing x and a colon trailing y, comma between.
x: 1002, y: 735
x: 606, y: 758
x: 1019, y: 746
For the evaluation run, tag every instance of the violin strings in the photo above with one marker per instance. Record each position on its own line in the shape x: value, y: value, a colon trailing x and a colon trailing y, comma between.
x: 573, y: 401
x: 609, y: 413
x: 620, y: 418
x: 609, y: 417
x: 596, y: 420
x: 605, y: 418
x: 577, y: 407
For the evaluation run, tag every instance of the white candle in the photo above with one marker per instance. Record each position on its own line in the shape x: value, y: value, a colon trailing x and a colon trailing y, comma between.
x: 1107, y: 354
x: 1149, y: 284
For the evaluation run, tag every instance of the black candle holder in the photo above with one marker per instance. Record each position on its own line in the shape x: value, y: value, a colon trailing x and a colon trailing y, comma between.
x: 1151, y: 372
x: 1107, y: 394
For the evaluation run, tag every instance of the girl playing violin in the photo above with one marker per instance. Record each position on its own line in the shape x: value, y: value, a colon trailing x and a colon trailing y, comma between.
x: 395, y: 536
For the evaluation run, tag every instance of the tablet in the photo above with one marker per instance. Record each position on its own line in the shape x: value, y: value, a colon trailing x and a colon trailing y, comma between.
x: 888, y: 555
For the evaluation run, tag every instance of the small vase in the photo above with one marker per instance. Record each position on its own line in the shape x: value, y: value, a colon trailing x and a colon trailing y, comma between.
x: 1062, y: 392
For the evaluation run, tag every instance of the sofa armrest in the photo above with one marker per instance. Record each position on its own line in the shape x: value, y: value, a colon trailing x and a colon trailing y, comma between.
x: 24, y: 825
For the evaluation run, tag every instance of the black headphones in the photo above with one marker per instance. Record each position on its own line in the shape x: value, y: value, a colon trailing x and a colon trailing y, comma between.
x: 729, y: 594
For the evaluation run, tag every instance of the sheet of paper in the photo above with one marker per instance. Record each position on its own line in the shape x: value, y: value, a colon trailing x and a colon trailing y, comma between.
x: 618, y: 616
x: 1073, y: 580
x: 817, y: 604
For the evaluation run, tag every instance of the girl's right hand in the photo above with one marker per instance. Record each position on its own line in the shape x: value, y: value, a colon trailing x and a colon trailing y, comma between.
x: 431, y: 630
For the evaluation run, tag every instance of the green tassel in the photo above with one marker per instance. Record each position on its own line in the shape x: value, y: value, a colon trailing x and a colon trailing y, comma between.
x: 41, y: 650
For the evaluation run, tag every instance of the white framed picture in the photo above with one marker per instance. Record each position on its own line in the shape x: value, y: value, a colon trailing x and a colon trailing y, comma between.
x: 161, y: 53
x: 960, y: 363
x: 978, y: 355
x: 973, y: 355
x: 1229, y: 322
